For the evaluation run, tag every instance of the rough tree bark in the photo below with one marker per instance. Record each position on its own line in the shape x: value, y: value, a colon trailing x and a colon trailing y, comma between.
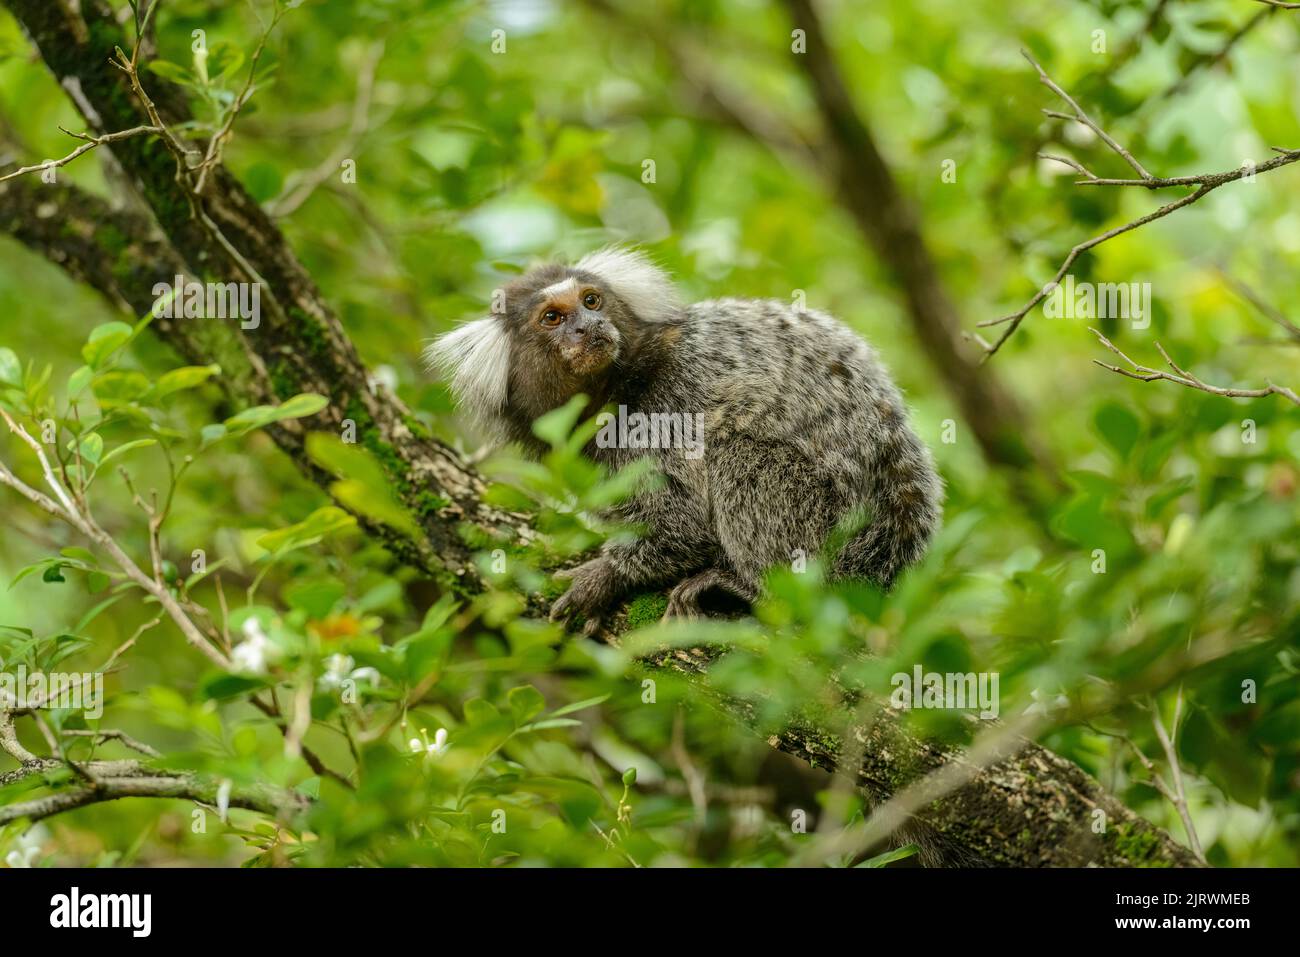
x: 1030, y: 809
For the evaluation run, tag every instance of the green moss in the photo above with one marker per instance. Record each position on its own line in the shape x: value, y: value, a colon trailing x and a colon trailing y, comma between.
x: 311, y: 333
x: 427, y: 504
x: 283, y: 380
x: 1139, y: 845
x: 646, y: 609
x: 553, y: 588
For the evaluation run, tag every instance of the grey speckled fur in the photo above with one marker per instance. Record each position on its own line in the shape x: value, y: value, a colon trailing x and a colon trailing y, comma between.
x: 804, y: 430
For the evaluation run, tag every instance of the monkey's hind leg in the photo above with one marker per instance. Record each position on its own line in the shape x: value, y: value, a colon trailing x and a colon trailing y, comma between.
x: 684, y: 600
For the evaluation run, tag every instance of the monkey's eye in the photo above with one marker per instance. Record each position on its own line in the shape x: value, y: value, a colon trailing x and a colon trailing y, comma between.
x: 551, y: 318
x: 591, y: 300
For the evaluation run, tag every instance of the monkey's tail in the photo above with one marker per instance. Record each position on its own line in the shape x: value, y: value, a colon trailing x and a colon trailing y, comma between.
x: 903, y: 497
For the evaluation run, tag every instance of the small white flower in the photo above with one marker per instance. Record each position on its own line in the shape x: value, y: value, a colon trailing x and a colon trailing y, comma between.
x: 251, y: 654
x: 27, y: 847
x: 223, y: 799
x: 439, y: 742
x: 337, y: 669
x: 422, y: 744
x: 249, y: 657
x: 341, y: 668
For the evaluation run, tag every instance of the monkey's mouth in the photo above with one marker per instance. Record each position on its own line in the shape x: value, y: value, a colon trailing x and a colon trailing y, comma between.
x: 592, y: 356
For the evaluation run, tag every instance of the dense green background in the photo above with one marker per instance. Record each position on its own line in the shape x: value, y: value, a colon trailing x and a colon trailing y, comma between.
x: 475, y: 164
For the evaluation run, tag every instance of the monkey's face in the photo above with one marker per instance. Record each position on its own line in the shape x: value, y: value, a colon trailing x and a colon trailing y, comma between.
x: 570, y: 319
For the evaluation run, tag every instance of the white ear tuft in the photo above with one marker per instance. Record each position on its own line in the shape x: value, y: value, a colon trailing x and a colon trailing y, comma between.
x: 634, y: 278
x: 476, y: 357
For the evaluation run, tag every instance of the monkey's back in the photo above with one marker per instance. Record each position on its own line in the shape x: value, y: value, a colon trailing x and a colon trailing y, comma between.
x: 802, y: 425
x: 763, y: 368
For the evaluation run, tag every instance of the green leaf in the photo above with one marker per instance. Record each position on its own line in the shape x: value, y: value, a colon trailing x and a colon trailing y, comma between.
x: 219, y: 687
x: 52, y: 573
x: 91, y: 448
x: 186, y: 377
x: 580, y: 705
x: 548, y: 723
x: 363, y: 487
x: 1118, y: 426
x: 260, y: 416
x: 104, y: 340
x: 173, y: 72
x: 554, y: 427
x: 525, y: 702
x: 80, y: 554
x: 310, y: 530
x: 95, y: 612
x: 898, y: 854
x: 115, y: 389
x: 78, y: 381
x: 127, y: 447
x: 211, y: 434
x: 480, y: 711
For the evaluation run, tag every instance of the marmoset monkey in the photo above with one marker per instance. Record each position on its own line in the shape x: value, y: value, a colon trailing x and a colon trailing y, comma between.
x: 801, y: 427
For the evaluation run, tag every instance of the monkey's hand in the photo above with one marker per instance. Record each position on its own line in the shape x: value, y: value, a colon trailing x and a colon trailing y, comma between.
x: 592, y: 588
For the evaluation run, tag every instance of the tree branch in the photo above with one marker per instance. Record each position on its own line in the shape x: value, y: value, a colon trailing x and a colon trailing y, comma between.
x: 114, y: 780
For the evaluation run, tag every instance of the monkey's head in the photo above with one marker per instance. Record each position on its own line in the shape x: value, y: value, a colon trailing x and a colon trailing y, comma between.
x: 555, y: 332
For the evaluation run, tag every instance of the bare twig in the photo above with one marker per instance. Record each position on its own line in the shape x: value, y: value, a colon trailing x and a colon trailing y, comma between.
x: 1205, y: 183
x: 90, y: 144
x: 115, y: 735
x: 1179, y: 796
x: 1183, y: 377
x: 1084, y: 118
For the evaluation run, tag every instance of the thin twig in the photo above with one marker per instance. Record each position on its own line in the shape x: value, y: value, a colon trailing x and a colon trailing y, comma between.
x: 115, y: 735
x: 90, y: 144
x: 1179, y: 796
x: 1083, y: 117
x: 1183, y: 377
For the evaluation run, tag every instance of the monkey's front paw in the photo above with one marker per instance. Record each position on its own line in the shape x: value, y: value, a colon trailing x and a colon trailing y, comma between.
x: 590, y: 591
